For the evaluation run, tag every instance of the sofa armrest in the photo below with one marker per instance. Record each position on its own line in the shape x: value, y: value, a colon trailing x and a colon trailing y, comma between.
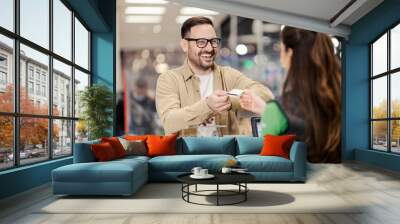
x: 298, y: 155
x: 83, y: 152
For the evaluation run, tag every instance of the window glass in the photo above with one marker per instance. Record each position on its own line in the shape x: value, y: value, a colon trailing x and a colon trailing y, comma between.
x: 7, y: 14
x: 6, y: 142
x: 6, y: 74
x: 62, y: 91
x: 35, y: 21
x: 33, y: 140
x: 379, y: 97
x: 379, y: 135
x: 62, y: 138
x: 395, y: 95
x: 395, y: 47
x: 81, y: 81
x: 81, y: 45
x: 81, y: 131
x: 395, y: 136
x: 379, y: 56
x: 62, y: 29
x: 31, y: 58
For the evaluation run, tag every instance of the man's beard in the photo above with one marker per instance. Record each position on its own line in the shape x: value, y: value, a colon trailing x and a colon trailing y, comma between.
x: 202, y: 63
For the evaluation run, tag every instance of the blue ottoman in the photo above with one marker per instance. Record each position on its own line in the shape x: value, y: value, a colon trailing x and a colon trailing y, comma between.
x: 118, y: 177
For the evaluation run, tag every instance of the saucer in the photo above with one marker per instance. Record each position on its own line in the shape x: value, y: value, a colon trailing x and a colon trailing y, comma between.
x: 208, y: 176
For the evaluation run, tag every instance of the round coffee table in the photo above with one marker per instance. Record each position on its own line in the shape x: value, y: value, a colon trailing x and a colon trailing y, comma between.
x: 238, y: 179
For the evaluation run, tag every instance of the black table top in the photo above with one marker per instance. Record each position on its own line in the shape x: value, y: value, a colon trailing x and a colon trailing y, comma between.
x: 220, y: 178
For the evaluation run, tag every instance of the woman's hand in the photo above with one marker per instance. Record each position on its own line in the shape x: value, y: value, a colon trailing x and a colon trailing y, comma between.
x: 252, y: 102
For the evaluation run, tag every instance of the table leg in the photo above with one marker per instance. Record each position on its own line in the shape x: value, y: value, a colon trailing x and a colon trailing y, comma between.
x: 217, y: 194
x: 196, y: 188
x: 245, y: 191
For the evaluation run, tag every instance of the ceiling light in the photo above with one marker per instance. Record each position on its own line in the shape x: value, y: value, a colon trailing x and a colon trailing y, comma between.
x: 182, y: 19
x: 145, y: 10
x: 146, y: 1
x: 241, y: 49
x: 335, y: 42
x: 143, y: 19
x: 197, y: 11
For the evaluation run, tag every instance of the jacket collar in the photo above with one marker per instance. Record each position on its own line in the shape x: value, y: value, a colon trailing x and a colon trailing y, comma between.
x: 188, y: 72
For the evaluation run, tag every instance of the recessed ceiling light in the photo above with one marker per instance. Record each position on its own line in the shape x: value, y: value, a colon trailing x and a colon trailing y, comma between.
x: 145, y: 10
x: 143, y: 19
x: 182, y: 19
x: 146, y: 1
x: 197, y: 11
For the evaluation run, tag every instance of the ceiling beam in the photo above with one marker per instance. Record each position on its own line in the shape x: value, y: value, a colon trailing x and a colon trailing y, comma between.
x: 269, y: 15
x: 346, y: 12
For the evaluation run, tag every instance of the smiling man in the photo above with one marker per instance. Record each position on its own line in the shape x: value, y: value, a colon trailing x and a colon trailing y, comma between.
x: 193, y: 99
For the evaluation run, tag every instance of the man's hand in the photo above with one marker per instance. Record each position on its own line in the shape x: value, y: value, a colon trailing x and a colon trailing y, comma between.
x: 251, y: 102
x: 219, y: 101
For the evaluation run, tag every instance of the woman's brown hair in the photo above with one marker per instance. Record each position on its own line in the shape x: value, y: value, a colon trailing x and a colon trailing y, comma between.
x: 313, y: 81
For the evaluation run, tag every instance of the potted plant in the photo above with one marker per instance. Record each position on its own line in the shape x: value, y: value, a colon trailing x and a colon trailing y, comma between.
x: 96, y: 104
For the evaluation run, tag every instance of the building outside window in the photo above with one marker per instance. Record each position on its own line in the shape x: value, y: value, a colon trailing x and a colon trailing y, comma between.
x: 30, y: 87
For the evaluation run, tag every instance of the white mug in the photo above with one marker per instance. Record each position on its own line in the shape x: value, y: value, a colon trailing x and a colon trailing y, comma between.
x: 196, y: 171
x: 203, y: 172
x: 226, y: 170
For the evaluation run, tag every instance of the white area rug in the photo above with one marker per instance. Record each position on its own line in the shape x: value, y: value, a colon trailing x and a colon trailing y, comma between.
x: 166, y: 198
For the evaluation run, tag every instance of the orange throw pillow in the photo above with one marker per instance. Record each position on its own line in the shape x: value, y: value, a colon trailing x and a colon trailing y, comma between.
x: 103, y: 152
x: 161, y: 145
x: 277, y: 145
x: 136, y: 137
x: 116, y: 145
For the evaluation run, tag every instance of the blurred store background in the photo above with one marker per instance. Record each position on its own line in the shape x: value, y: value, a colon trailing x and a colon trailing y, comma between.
x: 149, y: 35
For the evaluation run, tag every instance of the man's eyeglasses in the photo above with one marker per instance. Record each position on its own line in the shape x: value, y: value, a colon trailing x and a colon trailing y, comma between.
x: 202, y: 42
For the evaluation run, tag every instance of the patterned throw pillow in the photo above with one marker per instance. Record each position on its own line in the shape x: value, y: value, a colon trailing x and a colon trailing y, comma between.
x: 134, y: 147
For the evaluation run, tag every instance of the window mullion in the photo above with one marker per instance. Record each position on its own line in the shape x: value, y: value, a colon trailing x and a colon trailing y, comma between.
x: 16, y: 70
x: 50, y: 81
x: 73, y: 83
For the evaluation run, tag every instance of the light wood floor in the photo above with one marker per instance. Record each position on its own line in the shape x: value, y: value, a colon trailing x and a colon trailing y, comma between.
x: 353, y: 182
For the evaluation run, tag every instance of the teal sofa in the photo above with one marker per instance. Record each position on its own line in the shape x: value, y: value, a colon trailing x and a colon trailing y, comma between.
x: 125, y: 176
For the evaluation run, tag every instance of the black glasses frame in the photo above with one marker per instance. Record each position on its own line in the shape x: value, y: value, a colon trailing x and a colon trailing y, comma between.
x: 213, y: 41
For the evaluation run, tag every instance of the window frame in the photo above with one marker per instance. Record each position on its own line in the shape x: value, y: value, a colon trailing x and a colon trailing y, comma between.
x: 16, y: 114
x: 388, y: 74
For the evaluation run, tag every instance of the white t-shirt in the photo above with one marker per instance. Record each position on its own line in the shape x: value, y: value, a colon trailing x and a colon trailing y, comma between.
x: 206, y: 89
x: 206, y: 84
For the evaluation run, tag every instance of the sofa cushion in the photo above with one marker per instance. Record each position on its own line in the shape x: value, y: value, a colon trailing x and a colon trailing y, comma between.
x: 185, y: 163
x: 103, y: 152
x: 257, y: 163
x: 161, y: 145
x: 112, y: 171
x: 134, y: 147
x: 277, y: 145
x: 83, y: 152
x: 207, y: 145
x: 116, y: 145
x: 248, y: 145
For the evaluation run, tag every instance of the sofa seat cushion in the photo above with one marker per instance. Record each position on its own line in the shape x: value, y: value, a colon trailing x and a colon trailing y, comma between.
x: 112, y: 171
x: 185, y: 163
x: 257, y: 163
x: 206, y: 145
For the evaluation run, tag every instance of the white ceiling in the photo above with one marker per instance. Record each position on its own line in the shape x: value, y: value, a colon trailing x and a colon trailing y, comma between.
x: 309, y: 14
x: 135, y: 35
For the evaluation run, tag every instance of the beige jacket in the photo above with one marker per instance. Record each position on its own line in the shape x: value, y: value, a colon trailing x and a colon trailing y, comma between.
x: 181, y: 108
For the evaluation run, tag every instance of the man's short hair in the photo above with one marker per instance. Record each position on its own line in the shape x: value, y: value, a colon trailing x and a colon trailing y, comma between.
x: 194, y: 21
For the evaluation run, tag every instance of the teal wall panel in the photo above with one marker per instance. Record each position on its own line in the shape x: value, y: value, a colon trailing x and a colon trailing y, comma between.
x: 356, y: 81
